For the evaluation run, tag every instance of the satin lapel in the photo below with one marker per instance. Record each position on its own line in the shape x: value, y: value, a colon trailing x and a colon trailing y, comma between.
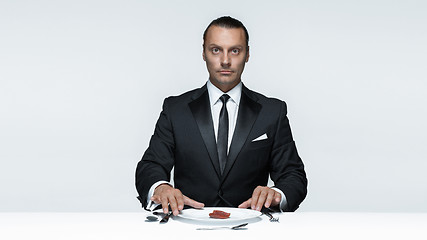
x: 201, y: 110
x: 248, y: 113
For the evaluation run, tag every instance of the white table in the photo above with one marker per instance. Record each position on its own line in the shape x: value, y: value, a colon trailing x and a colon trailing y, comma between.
x: 299, y: 225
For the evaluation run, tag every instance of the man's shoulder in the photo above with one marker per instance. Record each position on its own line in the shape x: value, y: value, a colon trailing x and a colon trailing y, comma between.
x: 262, y: 99
x: 186, y: 97
x: 269, y: 105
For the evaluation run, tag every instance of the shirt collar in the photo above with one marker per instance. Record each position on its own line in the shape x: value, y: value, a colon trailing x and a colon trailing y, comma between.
x: 215, y: 93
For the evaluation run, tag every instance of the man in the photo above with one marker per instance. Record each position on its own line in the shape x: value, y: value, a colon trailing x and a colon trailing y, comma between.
x: 223, y: 139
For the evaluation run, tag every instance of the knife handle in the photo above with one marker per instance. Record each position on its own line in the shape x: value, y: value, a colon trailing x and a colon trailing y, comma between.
x: 165, y: 219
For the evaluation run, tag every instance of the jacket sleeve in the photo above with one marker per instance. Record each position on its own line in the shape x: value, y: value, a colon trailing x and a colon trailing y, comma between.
x: 158, y: 160
x: 287, y: 168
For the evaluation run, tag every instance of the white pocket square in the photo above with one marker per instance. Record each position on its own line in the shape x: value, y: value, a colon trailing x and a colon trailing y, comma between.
x: 262, y: 137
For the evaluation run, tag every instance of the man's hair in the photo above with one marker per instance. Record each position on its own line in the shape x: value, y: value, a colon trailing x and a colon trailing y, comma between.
x: 227, y: 22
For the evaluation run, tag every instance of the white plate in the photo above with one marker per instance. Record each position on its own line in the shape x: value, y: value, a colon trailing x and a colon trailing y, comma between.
x: 201, y: 216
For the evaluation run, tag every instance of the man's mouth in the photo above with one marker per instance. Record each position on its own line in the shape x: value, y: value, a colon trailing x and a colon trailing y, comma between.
x: 226, y: 72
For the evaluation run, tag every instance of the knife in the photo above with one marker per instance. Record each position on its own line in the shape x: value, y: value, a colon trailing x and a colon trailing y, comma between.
x: 165, y: 219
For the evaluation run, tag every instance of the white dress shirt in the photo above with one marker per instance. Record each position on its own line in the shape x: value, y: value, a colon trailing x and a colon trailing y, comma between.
x: 216, y: 105
x: 232, y: 107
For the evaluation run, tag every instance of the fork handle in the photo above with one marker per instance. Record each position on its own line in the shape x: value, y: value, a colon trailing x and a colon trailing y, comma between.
x: 213, y: 228
x: 268, y: 215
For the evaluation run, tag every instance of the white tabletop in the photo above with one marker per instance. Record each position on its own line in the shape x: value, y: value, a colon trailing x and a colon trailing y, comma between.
x: 299, y: 225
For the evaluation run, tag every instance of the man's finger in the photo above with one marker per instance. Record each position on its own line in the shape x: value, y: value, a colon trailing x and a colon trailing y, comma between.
x: 192, y: 203
x: 165, y: 204
x: 180, y: 202
x: 261, y: 199
x: 155, y: 199
x: 270, y: 197
x: 179, y: 199
x: 173, y: 205
x: 255, y: 196
x: 246, y: 203
x: 277, y: 198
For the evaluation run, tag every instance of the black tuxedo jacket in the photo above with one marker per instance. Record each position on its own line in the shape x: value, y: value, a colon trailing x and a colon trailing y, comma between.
x: 184, y: 138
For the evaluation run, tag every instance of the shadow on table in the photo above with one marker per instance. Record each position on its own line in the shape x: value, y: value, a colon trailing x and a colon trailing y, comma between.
x: 217, y: 223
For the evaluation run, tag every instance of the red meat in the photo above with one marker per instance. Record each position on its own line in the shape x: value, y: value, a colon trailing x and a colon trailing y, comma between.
x: 219, y: 214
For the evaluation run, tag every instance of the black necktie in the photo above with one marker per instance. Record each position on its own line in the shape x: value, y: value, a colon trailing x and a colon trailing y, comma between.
x: 222, y: 141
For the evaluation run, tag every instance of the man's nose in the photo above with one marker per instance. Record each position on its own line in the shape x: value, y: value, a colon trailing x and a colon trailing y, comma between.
x: 225, y: 61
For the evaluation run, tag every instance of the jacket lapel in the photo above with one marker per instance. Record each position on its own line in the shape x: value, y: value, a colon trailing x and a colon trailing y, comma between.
x: 201, y: 110
x: 248, y: 113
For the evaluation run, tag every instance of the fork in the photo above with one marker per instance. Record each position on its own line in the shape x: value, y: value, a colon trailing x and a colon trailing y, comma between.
x: 238, y: 227
x: 272, y: 219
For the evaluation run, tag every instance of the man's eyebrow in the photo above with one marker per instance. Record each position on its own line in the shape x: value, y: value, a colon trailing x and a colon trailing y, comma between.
x: 232, y: 47
x: 213, y: 45
x: 237, y: 46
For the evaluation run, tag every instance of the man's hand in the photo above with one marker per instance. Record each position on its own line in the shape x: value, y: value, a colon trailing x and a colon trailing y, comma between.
x: 167, y: 195
x: 262, y: 196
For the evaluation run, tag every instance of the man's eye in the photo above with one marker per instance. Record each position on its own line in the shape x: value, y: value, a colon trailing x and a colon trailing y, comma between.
x: 215, y: 50
x: 235, y: 51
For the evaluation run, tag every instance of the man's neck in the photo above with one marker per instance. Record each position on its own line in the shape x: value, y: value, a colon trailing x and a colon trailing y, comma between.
x: 225, y: 87
x: 214, y: 93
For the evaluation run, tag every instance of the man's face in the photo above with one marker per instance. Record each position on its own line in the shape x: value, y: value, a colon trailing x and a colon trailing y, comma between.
x: 225, y: 53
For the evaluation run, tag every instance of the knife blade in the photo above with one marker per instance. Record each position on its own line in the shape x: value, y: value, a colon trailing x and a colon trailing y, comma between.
x: 165, y: 219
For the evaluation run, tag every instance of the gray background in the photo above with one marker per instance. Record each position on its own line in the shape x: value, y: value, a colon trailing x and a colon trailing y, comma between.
x: 82, y: 84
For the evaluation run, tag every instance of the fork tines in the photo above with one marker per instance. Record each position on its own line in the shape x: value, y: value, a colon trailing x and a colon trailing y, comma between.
x: 272, y: 219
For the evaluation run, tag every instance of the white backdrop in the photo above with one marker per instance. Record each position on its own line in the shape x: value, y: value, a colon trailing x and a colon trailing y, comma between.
x: 82, y: 84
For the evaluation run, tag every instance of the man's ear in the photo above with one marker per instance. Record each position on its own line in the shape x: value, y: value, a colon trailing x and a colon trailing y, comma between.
x: 247, y: 54
x: 203, y: 53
